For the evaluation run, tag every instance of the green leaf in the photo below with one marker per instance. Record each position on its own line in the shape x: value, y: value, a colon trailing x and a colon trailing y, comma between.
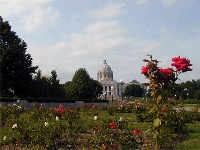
x: 156, y: 122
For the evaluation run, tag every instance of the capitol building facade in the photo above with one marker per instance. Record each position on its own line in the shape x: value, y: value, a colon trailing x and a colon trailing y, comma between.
x: 111, y: 88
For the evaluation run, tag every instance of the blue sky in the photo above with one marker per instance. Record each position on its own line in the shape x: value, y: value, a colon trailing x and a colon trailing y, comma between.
x: 66, y: 35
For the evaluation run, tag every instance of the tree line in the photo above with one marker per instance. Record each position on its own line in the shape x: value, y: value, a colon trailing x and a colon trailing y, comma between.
x: 19, y: 78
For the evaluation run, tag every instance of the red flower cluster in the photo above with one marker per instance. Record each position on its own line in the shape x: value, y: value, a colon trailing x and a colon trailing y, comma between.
x: 181, y: 64
x: 113, y: 125
x: 136, y: 132
x: 166, y: 72
x: 164, y: 108
x: 60, y: 109
x: 145, y: 70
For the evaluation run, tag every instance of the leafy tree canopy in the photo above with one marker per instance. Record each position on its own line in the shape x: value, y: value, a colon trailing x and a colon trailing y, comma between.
x: 15, y: 63
x: 134, y: 90
x: 82, y: 86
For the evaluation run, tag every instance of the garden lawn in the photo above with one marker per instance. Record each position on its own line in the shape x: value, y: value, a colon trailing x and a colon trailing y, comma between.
x: 192, y: 142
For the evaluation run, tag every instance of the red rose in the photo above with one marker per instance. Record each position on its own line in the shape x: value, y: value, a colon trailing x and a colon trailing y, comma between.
x: 164, y: 108
x: 145, y: 70
x: 113, y: 125
x: 166, y: 72
x: 181, y: 64
x: 136, y: 132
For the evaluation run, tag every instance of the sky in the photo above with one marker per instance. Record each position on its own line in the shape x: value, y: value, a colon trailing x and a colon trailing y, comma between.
x: 65, y: 35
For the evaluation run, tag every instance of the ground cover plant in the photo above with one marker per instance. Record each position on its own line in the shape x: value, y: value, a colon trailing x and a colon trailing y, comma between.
x: 87, y: 127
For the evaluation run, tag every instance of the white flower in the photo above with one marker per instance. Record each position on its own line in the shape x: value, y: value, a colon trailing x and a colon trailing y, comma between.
x: 4, y: 138
x: 120, y: 119
x: 19, y: 107
x: 14, y: 126
x: 46, y: 124
x: 57, y: 118
x: 95, y: 117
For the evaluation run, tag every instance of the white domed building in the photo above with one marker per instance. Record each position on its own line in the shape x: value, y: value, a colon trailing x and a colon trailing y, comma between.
x: 111, y: 88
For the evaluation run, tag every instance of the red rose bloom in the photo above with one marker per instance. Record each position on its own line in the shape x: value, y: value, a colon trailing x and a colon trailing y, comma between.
x: 166, y: 72
x: 164, y: 108
x: 181, y: 64
x: 145, y: 70
x: 113, y: 125
x: 136, y: 132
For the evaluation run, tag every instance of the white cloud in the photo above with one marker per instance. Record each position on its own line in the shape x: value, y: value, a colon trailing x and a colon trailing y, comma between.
x: 168, y: 2
x: 142, y: 2
x: 14, y: 7
x: 33, y: 13
x: 40, y: 17
x: 112, y: 10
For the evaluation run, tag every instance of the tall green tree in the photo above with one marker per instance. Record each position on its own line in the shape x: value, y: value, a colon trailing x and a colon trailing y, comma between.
x: 56, y: 89
x: 134, y: 90
x: 82, y: 86
x: 15, y: 63
x: 96, y: 88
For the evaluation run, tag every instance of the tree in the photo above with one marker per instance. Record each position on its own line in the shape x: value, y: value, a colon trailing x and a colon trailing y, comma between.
x: 56, y: 89
x: 96, y: 88
x: 134, y: 90
x: 82, y: 86
x: 15, y: 63
x: 43, y: 86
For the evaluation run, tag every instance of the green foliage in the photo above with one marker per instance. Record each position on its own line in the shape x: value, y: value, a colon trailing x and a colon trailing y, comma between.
x: 47, y: 86
x: 82, y: 86
x: 134, y: 90
x: 15, y: 63
x: 187, y: 90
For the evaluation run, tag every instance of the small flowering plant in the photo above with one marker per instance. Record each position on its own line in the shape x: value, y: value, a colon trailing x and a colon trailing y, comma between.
x: 114, y: 135
x: 164, y: 123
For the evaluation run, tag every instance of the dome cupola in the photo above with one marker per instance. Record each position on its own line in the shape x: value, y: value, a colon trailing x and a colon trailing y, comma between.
x: 105, y: 72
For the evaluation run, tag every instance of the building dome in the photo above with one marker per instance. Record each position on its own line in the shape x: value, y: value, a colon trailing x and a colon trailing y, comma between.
x: 105, y: 72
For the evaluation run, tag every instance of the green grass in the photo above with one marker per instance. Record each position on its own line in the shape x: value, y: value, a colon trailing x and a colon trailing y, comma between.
x: 192, y: 141
x: 188, y: 105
